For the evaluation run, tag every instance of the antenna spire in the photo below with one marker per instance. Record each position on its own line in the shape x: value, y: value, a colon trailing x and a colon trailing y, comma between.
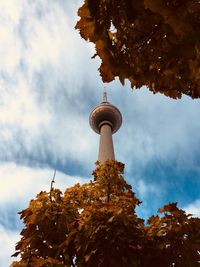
x: 105, y: 95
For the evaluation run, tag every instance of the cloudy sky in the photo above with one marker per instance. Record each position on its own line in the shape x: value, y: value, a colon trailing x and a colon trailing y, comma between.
x: 48, y: 86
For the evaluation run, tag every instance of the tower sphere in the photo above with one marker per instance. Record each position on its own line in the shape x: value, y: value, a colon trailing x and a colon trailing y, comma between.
x: 105, y: 113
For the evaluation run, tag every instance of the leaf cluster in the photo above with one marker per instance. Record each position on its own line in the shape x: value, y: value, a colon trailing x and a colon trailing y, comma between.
x: 95, y: 225
x: 149, y: 42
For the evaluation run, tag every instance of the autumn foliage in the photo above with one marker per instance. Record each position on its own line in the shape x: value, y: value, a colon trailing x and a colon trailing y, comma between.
x: 149, y: 42
x: 95, y: 225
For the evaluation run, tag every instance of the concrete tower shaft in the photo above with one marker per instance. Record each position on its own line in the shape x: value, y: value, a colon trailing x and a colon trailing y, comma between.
x: 105, y: 119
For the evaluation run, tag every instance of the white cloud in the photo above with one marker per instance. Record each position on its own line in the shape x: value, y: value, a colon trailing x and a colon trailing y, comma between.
x: 193, y: 208
x: 41, y: 113
x: 7, y: 242
x: 144, y: 189
x: 10, y: 48
x: 18, y: 107
x: 20, y: 183
x: 11, y: 10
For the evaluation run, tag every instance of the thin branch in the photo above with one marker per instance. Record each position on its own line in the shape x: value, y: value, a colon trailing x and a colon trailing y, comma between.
x: 149, y: 36
x: 144, y: 33
x: 179, y: 6
x: 52, y: 182
x: 108, y: 192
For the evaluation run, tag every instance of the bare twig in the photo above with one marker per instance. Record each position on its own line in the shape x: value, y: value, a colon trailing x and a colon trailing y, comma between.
x: 52, y: 182
x: 144, y: 40
x: 108, y: 192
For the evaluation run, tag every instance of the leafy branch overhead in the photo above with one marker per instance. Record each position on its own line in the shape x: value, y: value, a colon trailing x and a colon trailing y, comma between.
x: 95, y: 225
x: 149, y: 42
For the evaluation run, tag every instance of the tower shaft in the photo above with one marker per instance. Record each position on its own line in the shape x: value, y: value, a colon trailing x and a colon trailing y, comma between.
x: 105, y: 119
x: 106, y: 149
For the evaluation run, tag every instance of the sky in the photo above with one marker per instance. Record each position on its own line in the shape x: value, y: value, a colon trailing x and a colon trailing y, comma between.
x: 48, y: 86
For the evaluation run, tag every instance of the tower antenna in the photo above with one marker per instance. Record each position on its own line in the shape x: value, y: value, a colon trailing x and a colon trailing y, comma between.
x: 105, y: 99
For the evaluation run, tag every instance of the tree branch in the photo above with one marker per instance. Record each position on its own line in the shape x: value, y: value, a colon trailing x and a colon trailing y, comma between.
x: 52, y: 182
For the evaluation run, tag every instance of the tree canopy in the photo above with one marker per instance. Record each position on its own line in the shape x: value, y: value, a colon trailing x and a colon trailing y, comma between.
x: 149, y: 42
x: 95, y: 225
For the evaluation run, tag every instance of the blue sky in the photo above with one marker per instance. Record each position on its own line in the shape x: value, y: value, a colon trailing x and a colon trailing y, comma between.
x: 48, y: 86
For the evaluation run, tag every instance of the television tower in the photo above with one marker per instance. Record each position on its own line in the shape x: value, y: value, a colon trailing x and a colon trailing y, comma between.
x: 105, y: 119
